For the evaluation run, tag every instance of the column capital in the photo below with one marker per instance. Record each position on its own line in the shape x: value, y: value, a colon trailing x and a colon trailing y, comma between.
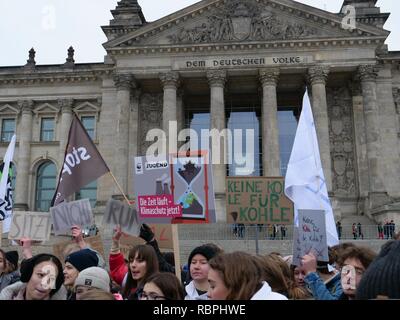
x: 170, y: 79
x: 269, y: 76
x: 217, y: 78
x: 65, y: 105
x: 26, y: 106
x: 367, y: 72
x: 124, y: 81
x: 318, y: 74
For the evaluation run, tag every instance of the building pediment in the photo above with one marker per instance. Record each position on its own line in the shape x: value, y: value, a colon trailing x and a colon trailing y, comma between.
x: 222, y: 21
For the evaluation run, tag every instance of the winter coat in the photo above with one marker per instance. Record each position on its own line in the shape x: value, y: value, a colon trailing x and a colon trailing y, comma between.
x: 9, y: 278
x: 266, y: 293
x: 192, y: 294
x: 17, y: 290
x: 331, y: 290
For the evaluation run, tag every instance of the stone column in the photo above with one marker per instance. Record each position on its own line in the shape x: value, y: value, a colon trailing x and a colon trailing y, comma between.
x: 170, y: 82
x: 24, y: 157
x: 368, y: 75
x: 270, y: 131
x: 318, y: 76
x: 217, y: 80
x: 124, y: 83
x: 66, y: 119
x: 133, y: 136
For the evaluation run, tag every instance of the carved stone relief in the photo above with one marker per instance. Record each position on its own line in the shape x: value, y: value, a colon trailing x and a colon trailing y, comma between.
x: 396, y: 97
x: 239, y: 21
x: 342, y: 141
x: 150, y: 117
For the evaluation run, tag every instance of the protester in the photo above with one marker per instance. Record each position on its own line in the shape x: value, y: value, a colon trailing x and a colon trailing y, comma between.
x: 382, y: 277
x: 92, y: 278
x: 162, y: 286
x: 41, y: 279
x: 354, y: 231
x: 323, y: 283
x: 295, y: 279
x: 198, y: 272
x: 74, y: 264
x: 235, y: 276
x: 97, y: 294
x: 353, y: 262
x: 9, y: 273
x: 273, y: 273
x: 359, y: 231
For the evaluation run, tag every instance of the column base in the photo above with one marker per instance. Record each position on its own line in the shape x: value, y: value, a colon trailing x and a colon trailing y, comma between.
x: 220, y: 206
x: 378, y: 199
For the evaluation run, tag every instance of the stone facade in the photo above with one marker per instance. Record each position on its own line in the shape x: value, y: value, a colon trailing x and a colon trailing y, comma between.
x: 204, y: 56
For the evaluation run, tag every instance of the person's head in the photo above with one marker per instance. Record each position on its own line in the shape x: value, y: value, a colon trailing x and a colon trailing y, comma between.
x: 3, y: 262
x: 233, y: 276
x: 353, y: 263
x: 76, y: 262
x: 273, y: 272
x: 92, y: 278
x: 43, y: 276
x: 12, y: 258
x: 142, y: 263
x: 198, y: 262
x: 382, y: 277
x: 298, y: 275
x: 96, y: 294
x: 162, y: 286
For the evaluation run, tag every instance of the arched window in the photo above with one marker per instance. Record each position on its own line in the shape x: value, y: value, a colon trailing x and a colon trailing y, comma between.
x: 45, y: 186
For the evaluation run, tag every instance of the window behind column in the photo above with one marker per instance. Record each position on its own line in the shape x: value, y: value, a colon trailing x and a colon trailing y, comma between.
x: 7, y: 129
x: 89, y: 123
x: 45, y: 186
x: 287, y: 124
x: 47, y: 129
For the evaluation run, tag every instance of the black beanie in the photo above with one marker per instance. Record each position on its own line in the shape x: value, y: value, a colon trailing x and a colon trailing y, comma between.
x: 382, y: 278
x: 12, y: 257
x: 83, y: 259
x: 206, y: 251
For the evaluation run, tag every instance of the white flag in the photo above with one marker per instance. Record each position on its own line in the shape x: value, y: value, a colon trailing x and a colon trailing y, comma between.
x: 305, y: 182
x: 6, y: 202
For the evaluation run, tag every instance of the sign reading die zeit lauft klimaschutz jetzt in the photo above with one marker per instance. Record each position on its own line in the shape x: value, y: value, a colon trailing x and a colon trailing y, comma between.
x: 177, y: 189
x: 257, y: 200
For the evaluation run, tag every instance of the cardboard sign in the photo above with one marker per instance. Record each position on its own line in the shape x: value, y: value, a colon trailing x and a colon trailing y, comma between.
x: 312, y: 234
x: 258, y: 200
x: 119, y: 213
x: 63, y: 249
x: 33, y: 225
x: 185, y: 178
x: 162, y: 232
x: 68, y: 214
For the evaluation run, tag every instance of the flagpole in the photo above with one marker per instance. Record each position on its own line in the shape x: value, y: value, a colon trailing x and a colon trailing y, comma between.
x: 119, y: 187
x: 1, y: 232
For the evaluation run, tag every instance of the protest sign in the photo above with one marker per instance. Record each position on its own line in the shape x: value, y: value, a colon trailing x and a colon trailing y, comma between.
x: 119, y: 213
x: 258, y: 200
x: 312, y: 234
x: 69, y: 214
x: 179, y: 187
x: 63, y: 249
x: 33, y: 225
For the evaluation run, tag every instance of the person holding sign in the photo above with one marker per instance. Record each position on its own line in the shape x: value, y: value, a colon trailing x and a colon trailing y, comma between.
x: 323, y: 283
x: 41, y: 279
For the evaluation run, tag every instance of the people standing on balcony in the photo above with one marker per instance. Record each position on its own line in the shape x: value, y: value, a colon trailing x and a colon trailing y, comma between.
x: 354, y: 231
x: 339, y: 229
x: 359, y: 231
x: 380, y: 231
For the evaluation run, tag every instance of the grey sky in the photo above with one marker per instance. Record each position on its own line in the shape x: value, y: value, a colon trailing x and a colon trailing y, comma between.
x: 51, y: 26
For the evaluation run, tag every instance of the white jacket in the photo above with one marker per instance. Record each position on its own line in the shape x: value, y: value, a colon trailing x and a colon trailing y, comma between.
x: 15, y: 291
x: 266, y: 293
x: 192, y: 294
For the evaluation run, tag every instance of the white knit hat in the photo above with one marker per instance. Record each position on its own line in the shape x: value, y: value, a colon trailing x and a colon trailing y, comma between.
x: 94, y: 277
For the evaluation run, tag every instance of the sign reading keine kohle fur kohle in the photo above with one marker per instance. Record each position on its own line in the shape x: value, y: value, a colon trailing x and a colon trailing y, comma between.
x: 174, y: 189
x: 260, y: 200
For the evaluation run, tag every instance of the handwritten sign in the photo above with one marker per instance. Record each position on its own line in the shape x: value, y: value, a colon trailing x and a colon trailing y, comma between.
x: 119, y: 213
x: 312, y: 234
x: 33, y: 225
x: 63, y: 249
x: 257, y: 200
x: 68, y: 214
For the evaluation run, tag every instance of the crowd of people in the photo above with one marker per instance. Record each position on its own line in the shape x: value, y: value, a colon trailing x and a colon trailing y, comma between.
x: 352, y: 272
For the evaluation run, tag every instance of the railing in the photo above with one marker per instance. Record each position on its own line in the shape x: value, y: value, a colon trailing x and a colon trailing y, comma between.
x: 221, y: 231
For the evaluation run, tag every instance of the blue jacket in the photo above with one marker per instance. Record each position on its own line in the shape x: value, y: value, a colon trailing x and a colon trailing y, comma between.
x: 332, y: 290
